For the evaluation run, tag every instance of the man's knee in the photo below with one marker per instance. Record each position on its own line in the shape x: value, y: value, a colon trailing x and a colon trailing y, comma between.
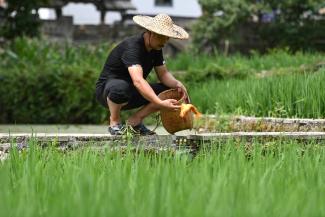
x: 119, y: 92
x: 118, y: 98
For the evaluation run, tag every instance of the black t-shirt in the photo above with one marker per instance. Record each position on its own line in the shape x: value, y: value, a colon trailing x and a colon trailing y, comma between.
x: 129, y: 52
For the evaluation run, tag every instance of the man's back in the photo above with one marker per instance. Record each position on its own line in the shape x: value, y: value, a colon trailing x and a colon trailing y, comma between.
x: 130, y: 51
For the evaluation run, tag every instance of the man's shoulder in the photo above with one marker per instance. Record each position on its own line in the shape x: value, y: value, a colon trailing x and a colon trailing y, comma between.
x: 133, y: 44
x: 130, y: 43
x: 133, y: 40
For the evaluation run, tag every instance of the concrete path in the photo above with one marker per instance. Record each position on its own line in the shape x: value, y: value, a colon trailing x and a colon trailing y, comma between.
x: 82, y: 129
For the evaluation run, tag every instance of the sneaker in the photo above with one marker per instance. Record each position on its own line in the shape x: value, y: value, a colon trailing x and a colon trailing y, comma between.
x: 116, y: 129
x: 143, y: 130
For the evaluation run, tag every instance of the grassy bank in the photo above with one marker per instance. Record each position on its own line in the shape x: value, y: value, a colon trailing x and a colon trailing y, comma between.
x: 283, y: 180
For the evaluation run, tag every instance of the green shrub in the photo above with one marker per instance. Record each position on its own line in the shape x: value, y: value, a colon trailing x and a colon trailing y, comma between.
x: 47, y: 83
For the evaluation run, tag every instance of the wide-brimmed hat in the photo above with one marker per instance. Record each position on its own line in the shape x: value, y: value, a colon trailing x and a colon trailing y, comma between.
x: 161, y: 24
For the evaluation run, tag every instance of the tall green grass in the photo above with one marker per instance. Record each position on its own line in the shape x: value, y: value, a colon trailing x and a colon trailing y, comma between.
x: 286, y: 180
x: 298, y: 95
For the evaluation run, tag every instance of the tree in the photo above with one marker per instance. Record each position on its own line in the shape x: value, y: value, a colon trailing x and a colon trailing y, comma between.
x: 219, y: 20
x: 21, y: 18
x: 295, y: 23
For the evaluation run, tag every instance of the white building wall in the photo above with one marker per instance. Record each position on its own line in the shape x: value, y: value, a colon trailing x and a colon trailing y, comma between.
x: 87, y: 13
x: 184, y: 8
x: 82, y: 13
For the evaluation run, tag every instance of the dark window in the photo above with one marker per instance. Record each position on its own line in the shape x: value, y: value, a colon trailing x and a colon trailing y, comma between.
x: 163, y: 2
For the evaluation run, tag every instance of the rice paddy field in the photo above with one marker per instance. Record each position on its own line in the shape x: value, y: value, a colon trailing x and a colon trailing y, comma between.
x: 54, y: 85
x: 294, y: 95
x: 234, y: 179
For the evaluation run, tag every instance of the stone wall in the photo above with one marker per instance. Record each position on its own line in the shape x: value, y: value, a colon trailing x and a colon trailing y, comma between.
x: 58, y: 30
x: 64, y: 30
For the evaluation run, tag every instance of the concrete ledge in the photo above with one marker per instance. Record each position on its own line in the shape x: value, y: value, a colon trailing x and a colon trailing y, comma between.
x: 77, y: 140
x: 283, y: 120
x: 155, y: 140
x: 188, y: 144
x: 260, y: 124
x: 252, y: 135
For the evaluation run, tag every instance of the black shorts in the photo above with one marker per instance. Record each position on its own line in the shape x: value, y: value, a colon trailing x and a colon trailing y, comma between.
x: 120, y: 91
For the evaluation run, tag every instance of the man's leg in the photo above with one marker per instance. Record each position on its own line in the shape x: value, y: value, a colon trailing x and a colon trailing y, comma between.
x: 148, y: 108
x: 117, y: 94
x: 138, y: 117
x: 114, y: 110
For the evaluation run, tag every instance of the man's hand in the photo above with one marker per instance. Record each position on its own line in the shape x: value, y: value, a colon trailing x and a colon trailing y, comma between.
x: 181, y: 88
x: 170, y: 104
x: 170, y: 81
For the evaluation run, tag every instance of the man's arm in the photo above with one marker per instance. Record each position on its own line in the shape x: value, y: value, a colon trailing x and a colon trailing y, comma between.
x: 169, y: 80
x: 145, y: 89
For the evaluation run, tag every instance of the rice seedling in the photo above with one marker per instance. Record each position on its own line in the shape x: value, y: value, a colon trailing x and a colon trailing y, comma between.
x: 274, y: 179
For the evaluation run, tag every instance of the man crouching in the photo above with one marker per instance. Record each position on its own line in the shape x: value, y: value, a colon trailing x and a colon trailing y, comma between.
x: 122, y: 83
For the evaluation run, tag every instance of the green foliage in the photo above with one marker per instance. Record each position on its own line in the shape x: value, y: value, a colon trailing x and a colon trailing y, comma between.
x: 297, y: 24
x: 236, y: 179
x: 21, y: 18
x: 50, y: 83
x: 43, y: 82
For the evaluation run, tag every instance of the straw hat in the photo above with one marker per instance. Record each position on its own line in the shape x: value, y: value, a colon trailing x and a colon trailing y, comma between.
x: 161, y: 24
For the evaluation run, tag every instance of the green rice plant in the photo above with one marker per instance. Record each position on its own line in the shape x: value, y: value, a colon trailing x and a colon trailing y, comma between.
x: 232, y: 179
x: 298, y: 95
